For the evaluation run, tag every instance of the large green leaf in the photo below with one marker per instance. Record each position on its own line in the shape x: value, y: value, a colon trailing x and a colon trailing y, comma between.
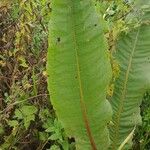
x: 79, y: 72
x: 133, y: 55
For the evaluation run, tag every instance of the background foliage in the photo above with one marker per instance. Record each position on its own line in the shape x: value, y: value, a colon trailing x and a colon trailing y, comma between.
x: 27, y: 119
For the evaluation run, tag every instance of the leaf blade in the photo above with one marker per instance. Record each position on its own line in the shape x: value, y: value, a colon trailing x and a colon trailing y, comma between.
x: 134, y: 80
x: 79, y: 73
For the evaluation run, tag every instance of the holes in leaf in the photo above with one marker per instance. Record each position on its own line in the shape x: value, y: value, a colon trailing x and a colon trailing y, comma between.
x: 72, y: 140
x: 58, y: 39
x: 149, y: 59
